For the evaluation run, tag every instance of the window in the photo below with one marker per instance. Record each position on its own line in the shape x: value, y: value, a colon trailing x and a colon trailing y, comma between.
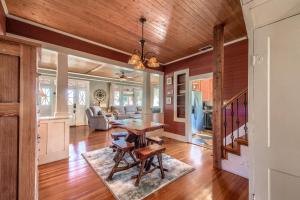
x: 70, y: 97
x: 138, y: 94
x: 156, y: 97
x: 123, y: 95
x: 82, y: 97
x: 45, y: 96
x: 116, y: 96
x: 128, y: 97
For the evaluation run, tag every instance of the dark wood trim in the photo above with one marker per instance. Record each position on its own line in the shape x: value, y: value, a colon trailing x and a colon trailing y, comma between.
x: 218, y: 73
x: 37, y: 33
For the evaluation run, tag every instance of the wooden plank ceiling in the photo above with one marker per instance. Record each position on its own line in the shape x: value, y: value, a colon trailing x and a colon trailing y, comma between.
x: 174, y: 28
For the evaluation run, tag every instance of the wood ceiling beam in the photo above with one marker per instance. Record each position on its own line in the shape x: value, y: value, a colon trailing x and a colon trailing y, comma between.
x: 218, y: 59
x: 23, y: 29
x: 2, y: 20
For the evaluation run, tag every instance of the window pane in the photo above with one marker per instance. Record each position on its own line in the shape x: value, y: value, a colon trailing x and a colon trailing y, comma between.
x: 138, y: 95
x: 156, y: 97
x: 82, y: 97
x: 130, y: 100
x: 45, y: 96
x: 70, y: 97
x: 116, y: 98
x: 125, y: 101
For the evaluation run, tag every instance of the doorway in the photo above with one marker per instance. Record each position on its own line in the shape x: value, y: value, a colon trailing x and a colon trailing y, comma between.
x: 78, y: 101
x: 199, y: 126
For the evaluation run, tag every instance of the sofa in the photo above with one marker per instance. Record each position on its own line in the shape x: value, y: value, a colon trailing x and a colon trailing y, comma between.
x: 97, y: 119
x: 126, y: 112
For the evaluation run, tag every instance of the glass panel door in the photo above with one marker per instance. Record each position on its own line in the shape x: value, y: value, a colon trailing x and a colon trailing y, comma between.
x: 78, y: 101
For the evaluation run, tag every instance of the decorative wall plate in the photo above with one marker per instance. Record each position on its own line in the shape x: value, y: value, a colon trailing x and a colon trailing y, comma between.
x: 100, y: 95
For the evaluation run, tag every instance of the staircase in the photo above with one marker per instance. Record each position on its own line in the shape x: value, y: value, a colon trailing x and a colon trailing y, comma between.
x: 236, y: 147
x: 235, y: 134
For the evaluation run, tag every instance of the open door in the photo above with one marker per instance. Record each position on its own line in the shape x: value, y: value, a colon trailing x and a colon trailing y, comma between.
x: 276, y: 114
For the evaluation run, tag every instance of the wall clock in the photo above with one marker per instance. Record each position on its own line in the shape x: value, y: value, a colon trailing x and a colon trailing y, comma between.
x: 100, y: 95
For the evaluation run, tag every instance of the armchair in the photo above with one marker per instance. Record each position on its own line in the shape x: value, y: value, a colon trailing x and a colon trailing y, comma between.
x: 96, y: 119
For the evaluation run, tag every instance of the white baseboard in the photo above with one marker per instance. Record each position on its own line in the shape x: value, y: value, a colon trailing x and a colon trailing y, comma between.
x: 158, y: 133
x: 238, y: 165
x: 174, y: 136
x: 162, y: 133
x: 241, y: 133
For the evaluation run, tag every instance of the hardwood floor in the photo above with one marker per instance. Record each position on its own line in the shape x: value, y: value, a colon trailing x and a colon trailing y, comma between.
x: 73, y: 178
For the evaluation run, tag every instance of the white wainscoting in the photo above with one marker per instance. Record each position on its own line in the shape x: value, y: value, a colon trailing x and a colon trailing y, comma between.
x: 53, y: 141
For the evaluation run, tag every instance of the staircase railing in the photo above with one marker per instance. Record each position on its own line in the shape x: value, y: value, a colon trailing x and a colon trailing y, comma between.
x: 235, y: 116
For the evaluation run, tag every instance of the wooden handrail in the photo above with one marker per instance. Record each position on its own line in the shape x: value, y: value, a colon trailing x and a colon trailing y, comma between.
x: 225, y: 104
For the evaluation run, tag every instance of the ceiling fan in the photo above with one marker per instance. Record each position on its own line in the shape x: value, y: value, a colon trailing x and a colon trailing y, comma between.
x: 124, y: 76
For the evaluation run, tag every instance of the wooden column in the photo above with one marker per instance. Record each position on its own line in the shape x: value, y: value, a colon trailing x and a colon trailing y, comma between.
x: 218, y: 56
x: 147, y: 113
x: 61, y: 107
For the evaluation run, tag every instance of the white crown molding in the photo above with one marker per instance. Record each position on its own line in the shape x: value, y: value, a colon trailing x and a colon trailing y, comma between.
x: 202, y: 52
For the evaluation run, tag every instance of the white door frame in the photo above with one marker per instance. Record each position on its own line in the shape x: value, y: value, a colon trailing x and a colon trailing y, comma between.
x: 188, y: 131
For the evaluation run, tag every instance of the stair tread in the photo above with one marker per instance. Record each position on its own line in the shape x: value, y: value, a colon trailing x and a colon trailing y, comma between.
x: 235, y: 150
x: 242, y: 140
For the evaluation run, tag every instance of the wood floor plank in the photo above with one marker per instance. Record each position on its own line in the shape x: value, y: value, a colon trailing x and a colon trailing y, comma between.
x: 73, y: 178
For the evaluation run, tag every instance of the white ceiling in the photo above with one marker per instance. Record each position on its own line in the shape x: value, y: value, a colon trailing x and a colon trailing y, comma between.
x: 92, y: 67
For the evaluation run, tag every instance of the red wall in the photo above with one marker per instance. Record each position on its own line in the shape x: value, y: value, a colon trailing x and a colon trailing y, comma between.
x: 235, y: 76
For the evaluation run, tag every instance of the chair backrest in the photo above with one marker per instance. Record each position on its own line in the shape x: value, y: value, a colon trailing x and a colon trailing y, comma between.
x: 130, y: 109
x: 119, y: 109
x: 96, y: 110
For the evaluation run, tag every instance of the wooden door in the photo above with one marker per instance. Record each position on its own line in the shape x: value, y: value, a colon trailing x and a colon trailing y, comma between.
x: 276, y: 111
x: 17, y: 120
x: 9, y: 104
x: 82, y: 102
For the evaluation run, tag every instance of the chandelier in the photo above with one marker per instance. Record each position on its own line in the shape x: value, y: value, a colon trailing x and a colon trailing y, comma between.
x: 140, y: 59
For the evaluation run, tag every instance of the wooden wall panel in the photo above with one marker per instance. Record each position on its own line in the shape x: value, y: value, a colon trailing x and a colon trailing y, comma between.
x: 235, y: 76
x: 8, y: 157
x: 17, y: 119
x: 9, y: 98
x: 9, y: 78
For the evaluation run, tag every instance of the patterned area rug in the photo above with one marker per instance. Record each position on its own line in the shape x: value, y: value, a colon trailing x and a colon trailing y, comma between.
x: 203, y: 139
x: 122, y: 186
